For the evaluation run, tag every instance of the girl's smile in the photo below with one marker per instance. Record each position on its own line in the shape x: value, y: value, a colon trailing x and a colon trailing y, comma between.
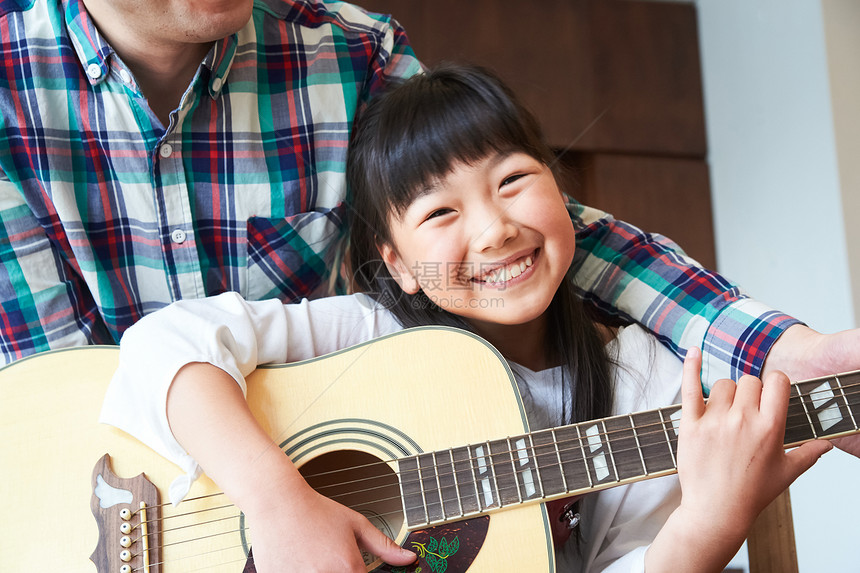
x: 508, y: 273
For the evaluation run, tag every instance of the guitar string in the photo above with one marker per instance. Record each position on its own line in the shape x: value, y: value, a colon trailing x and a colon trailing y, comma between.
x: 576, y: 442
x: 607, y: 435
x: 199, y: 555
x: 641, y: 431
x: 441, y: 503
x: 500, y: 491
x: 481, y: 508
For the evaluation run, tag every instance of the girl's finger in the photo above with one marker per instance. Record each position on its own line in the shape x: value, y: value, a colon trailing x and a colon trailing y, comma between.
x: 803, y: 457
x: 748, y: 393
x: 722, y: 396
x: 774, y: 397
x: 692, y: 401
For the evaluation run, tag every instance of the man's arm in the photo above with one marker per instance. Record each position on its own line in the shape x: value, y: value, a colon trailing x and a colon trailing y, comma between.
x: 627, y: 273
x: 803, y: 353
x: 393, y: 60
x: 637, y: 276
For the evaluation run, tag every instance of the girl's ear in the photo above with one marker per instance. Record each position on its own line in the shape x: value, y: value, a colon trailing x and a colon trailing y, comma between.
x: 398, y: 269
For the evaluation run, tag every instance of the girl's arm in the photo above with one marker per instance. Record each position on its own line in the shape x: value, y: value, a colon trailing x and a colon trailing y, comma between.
x: 731, y: 464
x: 189, y: 405
x: 292, y: 527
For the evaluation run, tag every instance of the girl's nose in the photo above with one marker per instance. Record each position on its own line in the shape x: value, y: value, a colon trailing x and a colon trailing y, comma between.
x: 494, y: 229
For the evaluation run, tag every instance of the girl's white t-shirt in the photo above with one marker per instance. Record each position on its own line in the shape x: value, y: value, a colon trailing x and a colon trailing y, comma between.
x: 236, y: 335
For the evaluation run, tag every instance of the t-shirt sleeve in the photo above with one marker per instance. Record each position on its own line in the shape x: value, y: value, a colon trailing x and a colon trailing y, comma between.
x: 233, y: 334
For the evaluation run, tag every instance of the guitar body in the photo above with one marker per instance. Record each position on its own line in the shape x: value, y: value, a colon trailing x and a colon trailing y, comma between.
x: 417, y: 391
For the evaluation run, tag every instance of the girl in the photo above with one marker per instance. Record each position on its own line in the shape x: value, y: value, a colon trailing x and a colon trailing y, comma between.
x: 457, y: 219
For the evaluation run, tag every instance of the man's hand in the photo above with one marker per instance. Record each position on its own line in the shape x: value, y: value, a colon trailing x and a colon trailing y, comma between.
x: 803, y: 353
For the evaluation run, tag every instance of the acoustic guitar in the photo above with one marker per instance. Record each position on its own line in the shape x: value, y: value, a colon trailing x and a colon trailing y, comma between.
x: 422, y: 431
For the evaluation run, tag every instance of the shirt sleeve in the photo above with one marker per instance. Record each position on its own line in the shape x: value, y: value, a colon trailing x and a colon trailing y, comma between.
x: 44, y: 300
x: 233, y: 334
x: 394, y: 59
x: 646, y: 278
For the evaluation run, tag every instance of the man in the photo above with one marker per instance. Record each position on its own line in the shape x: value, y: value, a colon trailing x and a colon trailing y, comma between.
x: 153, y: 151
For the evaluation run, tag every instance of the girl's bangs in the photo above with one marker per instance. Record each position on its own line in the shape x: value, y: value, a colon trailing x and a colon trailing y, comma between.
x: 443, y: 123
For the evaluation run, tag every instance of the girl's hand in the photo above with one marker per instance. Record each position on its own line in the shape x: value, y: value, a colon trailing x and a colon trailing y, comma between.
x: 293, y: 528
x: 731, y: 460
x: 305, y: 531
x: 731, y: 465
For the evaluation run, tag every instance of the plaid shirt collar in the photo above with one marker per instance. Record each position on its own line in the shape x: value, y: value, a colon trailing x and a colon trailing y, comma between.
x: 96, y: 55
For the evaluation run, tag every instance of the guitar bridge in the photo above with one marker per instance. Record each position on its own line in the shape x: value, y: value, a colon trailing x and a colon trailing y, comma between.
x: 128, y: 515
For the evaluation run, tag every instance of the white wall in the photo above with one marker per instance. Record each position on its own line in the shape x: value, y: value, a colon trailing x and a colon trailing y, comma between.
x: 778, y: 204
x: 842, y: 37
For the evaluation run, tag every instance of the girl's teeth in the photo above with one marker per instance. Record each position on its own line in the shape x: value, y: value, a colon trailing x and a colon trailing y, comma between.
x: 507, y: 273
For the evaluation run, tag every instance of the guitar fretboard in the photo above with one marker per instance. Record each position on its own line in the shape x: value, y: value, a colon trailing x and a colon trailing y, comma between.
x: 447, y: 485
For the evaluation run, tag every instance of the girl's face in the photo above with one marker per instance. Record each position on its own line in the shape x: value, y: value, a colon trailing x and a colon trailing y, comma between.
x: 491, y: 242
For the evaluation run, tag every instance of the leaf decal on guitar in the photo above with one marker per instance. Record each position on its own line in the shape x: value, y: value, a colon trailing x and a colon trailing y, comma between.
x: 446, y: 548
x: 436, y: 553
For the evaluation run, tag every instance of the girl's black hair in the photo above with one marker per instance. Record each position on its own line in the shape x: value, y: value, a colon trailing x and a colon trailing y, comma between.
x: 411, y: 136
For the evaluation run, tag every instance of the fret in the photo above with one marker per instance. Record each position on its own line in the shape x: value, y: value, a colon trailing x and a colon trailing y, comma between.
x: 468, y: 486
x: 411, y: 492
x: 525, y: 468
x: 654, y: 443
x: 548, y: 462
x: 623, y: 447
x: 448, y: 484
x: 670, y: 421
x: 584, y: 457
x: 430, y: 487
x: 503, y: 468
x: 798, y: 424
x: 849, y: 388
x: 597, y: 453
x: 484, y: 478
x: 826, y: 413
x: 572, y: 455
x: 638, y: 445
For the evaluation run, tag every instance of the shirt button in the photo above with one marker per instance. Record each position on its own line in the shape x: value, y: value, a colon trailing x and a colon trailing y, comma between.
x: 216, y: 84
x: 166, y: 150
x: 94, y: 71
x: 124, y: 76
x: 178, y: 236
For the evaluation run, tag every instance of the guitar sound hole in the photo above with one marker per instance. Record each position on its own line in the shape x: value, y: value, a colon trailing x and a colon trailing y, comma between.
x: 361, y: 482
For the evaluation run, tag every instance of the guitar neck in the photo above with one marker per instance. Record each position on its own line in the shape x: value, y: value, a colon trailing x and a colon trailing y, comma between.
x: 540, y: 466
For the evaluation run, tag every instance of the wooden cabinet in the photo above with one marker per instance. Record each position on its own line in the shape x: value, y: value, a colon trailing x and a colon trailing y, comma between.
x: 616, y: 85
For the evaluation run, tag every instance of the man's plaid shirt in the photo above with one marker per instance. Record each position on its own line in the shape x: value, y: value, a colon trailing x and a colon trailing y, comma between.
x: 107, y: 215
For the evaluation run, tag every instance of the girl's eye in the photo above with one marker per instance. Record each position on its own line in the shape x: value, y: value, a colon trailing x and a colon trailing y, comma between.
x: 512, y: 179
x: 437, y: 213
